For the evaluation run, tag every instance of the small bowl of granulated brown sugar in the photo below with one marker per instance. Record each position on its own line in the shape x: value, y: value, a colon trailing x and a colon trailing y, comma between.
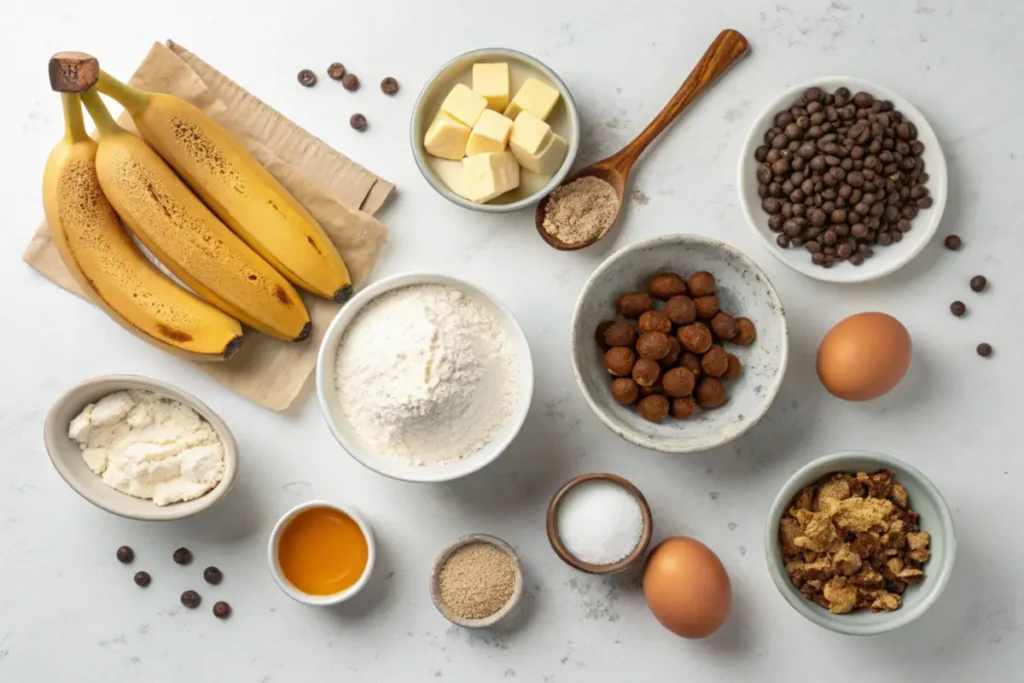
x: 477, y: 581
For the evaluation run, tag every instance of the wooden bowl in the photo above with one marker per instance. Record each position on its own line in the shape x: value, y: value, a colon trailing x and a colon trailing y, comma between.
x: 615, y: 567
x: 435, y: 581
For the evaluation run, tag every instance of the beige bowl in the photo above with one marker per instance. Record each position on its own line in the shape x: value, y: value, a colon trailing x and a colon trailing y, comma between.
x: 435, y: 582
x: 66, y: 456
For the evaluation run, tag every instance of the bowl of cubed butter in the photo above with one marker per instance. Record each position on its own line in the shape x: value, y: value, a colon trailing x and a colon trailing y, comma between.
x: 494, y: 130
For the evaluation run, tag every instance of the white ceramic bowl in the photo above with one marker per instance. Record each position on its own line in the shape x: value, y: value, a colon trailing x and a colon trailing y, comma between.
x: 743, y: 290
x: 320, y: 600
x: 935, y: 519
x: 886, y: 259
x: 66, y: 456
x: 330, y: 403
x: 564, y: 121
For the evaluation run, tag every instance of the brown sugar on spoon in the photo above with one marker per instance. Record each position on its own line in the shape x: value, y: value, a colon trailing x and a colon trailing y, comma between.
x: 582, y: 210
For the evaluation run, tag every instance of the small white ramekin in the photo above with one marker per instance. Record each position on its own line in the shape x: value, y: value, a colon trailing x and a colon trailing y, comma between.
x: 319, y: 600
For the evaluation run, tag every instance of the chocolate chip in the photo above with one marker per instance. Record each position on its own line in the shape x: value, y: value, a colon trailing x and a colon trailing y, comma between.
x: 142, y: 579
x: 213, y: 575
x: 357, y: 121
x: 125, y: 554
x: 182, y: 556
x: 307, y: 78
x: 221, y: 610
x: 984, y: 350
x: 958, y: 308
x: 978, y: 283
x: 389, y: 86
x: 191, y: 599
x: 336, y: 71
x: 350, y: 81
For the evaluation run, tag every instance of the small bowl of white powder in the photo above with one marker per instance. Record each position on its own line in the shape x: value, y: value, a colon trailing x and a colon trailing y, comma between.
x: 424, y: 377
x: 140, y: 448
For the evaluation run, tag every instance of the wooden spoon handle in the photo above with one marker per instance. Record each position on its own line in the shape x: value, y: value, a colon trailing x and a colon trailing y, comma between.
x: 729, y: 46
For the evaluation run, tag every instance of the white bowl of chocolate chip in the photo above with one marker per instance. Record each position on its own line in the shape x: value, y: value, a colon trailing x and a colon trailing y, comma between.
x: 842, y: 179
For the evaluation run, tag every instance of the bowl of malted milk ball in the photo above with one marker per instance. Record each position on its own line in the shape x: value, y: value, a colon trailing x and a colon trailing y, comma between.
x: 424, y: 377
x: 140, y: 448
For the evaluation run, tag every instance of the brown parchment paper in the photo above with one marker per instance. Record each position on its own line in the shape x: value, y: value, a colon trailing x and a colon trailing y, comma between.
x: 341, y: 195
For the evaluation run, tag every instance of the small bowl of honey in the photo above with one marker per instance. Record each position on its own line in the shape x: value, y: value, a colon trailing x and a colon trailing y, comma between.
x: 321, y: 553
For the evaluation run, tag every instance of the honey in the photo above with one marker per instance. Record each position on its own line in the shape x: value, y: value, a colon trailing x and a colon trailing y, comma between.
x: 322, y: 551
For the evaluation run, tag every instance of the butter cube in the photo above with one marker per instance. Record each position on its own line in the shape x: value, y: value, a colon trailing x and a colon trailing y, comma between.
x: 535, y: 97
x: 486, y: 176
x: 491, y: 81
x: 548, y: 159
x: 529, y: 136
x: 464, y: 104
x: 490, y: 134
x: 447, y: 137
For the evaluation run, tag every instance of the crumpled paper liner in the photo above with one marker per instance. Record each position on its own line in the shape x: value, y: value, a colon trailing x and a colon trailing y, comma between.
x: 341, y: 195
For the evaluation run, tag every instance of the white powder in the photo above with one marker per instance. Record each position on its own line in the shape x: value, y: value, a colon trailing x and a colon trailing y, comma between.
x: 599, y: 522
x: 149, y: 446
x: 427, y: 374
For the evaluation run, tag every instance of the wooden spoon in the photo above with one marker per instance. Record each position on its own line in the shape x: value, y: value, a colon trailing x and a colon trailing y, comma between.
x: 729, y: 46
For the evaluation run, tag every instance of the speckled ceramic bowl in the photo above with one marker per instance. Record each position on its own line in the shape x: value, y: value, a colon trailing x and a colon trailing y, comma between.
x: 742, y: 288
x: 934, y: 518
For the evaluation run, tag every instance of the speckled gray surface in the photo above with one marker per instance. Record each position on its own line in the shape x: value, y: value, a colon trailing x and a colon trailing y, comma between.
x: 742, y: 289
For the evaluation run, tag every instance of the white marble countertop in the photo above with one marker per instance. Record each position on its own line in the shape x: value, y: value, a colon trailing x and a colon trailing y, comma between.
x: 68, y: 610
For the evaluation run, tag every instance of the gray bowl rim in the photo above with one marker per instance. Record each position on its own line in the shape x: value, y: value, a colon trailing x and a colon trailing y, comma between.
x: 682, y: 238
x: 887, y: 621
x: 167, y: 512
x: 418, y: 152
x: 940, y: 176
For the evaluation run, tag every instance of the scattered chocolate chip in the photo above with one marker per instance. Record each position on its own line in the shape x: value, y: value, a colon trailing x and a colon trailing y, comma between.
x: 221, y: 610
x: 953, y: 243
x: 125, y: 554
x: 336, y: 71
x: 389, y: 86
x: 978, y: 283
x: 213, y: 575
x: 958, y: 308
x: 984, y: 350
x: 358, y: 121
x: 183, y: 556
x: 142, y: 579
x: 191, y: 599
x: 350, y: 81
x: 307, y: 78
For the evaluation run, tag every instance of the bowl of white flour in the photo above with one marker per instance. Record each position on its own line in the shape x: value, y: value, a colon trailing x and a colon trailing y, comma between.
x: 424, y: 377
x: 140, y: 448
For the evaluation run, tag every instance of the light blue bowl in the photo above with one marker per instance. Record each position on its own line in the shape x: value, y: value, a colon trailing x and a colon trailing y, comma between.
x: 564, y: 120
x: 935, y: 519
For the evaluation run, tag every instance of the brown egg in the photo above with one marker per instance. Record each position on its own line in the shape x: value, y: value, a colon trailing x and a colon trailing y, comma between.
x: 687, y: 588
x: 864, y: 356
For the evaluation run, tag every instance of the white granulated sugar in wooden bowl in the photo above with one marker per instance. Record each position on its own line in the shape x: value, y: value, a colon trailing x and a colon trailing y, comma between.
x: 426, y: 374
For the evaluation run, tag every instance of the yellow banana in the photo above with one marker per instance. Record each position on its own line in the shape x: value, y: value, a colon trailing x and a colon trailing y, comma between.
x: 186, y: 237
x: 237, y: 187
x: 108, y: 266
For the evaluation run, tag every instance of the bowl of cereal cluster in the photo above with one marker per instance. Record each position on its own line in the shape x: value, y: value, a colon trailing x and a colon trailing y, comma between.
x: 679, y: 343
x: 860, y: 543
x: 842, y: 179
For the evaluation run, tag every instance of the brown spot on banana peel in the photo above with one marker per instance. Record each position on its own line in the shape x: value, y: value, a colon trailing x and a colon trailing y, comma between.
x: 173, y: 334
x: 281, y: 295
x: 312, y: 243
x: 343, y: 294
x: 73, y: 72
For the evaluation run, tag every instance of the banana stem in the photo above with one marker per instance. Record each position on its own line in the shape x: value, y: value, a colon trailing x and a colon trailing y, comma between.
x: 132, y: 99
x: 74, y: 122
x: 99, y: 113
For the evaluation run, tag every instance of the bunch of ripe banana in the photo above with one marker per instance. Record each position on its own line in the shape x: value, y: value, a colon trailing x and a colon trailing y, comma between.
x: 199, y: 201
